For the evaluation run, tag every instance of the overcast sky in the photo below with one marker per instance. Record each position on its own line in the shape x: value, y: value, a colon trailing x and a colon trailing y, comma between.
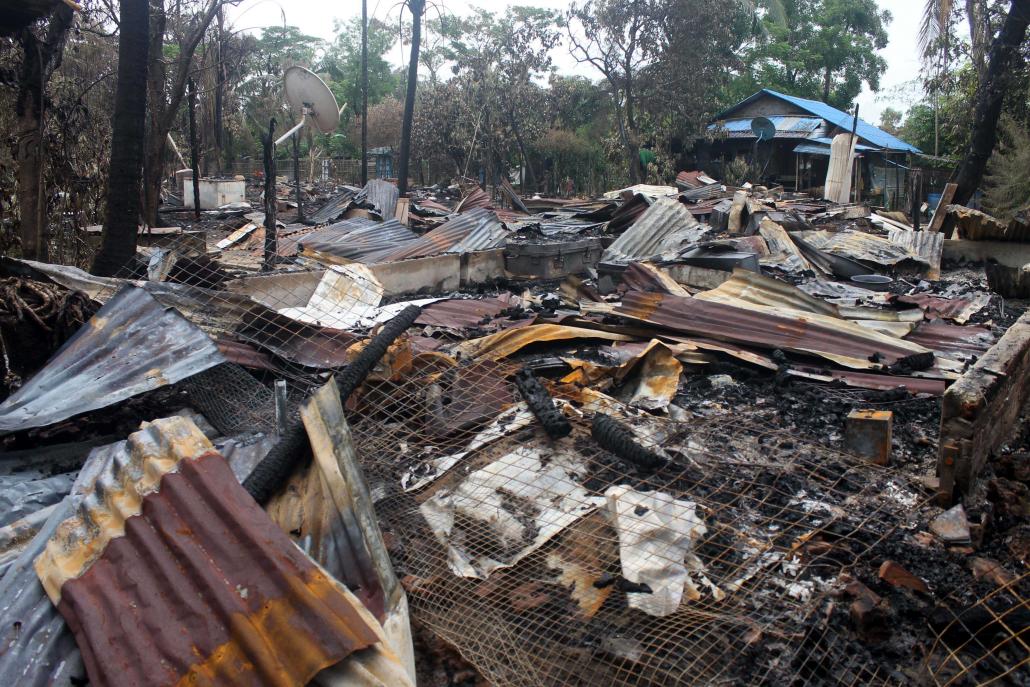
x: 898, y: 87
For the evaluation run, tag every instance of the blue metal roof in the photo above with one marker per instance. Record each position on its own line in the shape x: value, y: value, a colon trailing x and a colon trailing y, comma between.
x: 787, y: 126
x: 878, y: 137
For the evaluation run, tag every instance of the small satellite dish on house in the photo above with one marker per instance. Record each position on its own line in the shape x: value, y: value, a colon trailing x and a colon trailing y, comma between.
x: 762, y: 128
x: 310, y: 95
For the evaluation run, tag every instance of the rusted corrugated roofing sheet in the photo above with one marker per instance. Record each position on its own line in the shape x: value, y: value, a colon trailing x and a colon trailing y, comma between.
x: 205, y: 588
x: 958, y: 309
x: 243, y: 354
x: 382, y: 195
x: 952, y: 338
x: 132, y: 345
x: 334, y: 207
x: 366, y: 242
x: 837, y: 340
x: 37, y: 649
x: 477, y: 198
x: 477, y: 229
x: 458, y: 313
x: 306, y: 344
x: 662, y: 227
x: 928, y: 245
x: 859, y: 245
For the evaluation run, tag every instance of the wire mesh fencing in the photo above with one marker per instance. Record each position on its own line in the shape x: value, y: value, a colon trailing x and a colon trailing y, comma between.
x: 717, y: 551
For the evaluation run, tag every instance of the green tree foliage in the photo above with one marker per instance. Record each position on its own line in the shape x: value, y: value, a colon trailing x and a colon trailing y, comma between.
x: 1007, y: 184
x: 890, y: 120
x: 342, y: 63
x: 820, y: 49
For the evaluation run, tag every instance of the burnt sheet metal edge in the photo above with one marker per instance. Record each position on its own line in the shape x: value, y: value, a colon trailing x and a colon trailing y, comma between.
x: 222, y: 612
x: 132, y: 345
x: 344, y: 485
x: 844, y: 343
x: 458, y: 313
x: 382, y: 195
x: 477, y: 229
x: 363, y: 244
x: 657, y: 230
x: 928, y: 245
x: 333, y: 208
x: 37, y: 648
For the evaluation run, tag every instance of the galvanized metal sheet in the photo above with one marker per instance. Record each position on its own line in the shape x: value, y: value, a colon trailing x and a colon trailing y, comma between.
x: 663, y: 227
x: 477, y: 229
x: 333, y: 208
x: 381, y: 195
x: 359, y: 240
x: 928, y: 245
x: 132, y: 345
x: 248, y: 608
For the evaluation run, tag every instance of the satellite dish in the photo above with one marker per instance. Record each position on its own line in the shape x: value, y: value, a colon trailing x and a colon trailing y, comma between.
x: 309, y: 94
x: 761, y: 127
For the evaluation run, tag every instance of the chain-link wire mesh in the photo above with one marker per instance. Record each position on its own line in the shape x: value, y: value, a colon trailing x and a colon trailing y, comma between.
x: 558, y: 562
x: 528, y: 554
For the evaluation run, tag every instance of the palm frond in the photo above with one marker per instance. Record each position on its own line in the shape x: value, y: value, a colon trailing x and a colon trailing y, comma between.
x: 935, y: 22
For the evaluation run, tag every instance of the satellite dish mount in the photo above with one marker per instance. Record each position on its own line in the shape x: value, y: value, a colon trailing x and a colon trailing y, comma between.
x: 764, y: 131
x: 309, y: 94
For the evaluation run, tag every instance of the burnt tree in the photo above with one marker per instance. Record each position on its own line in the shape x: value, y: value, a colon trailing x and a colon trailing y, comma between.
x: 990, y: 96
x: 40, y: 57
x: 121, y: 223
x: 166, y: 88
x: 417, y: 8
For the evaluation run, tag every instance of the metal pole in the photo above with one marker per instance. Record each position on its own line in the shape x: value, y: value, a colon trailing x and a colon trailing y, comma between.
x: 296, y: 178
x: 364, y: 92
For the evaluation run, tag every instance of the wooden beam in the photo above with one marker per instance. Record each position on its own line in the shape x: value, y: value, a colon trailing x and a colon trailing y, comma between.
x: 937, y: 221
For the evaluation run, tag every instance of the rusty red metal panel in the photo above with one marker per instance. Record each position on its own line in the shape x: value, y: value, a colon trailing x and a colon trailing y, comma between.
x: 952, y: 338
x: 476, y: 199
x: 200, y: 587
x: 459, y: 313
x: 766, y: 329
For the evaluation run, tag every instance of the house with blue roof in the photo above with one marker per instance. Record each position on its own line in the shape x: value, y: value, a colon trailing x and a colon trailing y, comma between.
x: 795, y: 148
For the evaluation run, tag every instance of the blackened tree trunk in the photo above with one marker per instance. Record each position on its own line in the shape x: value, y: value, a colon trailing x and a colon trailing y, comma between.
x: 990, y: 96
x: 417, y: 7
x: 167, y: 88
x: 39, y: 60
x: 194, y: 148
x: 268, y: 149
x: 121, y: 224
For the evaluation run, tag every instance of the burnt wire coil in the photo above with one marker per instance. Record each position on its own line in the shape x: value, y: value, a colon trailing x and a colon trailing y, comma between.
x: 615, y: 437
x: 279, y: 464
x: 540, y: 402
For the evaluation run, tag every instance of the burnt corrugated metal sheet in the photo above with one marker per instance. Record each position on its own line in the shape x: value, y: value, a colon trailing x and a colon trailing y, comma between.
x: 837, y: 340
x: 366, y: 242
x: 306, y: 344
x: 205, y: 588
x: 477, y: 229
x: 460, y: 313
x: 132, y: 345
x: 37, y: 649
x: 381, y: 195
x: 859, y: 245
x: 477, y: 198
x: 952, y: 338
x: 334, y: 207
x: 929, y: 245
x: 664, y: 226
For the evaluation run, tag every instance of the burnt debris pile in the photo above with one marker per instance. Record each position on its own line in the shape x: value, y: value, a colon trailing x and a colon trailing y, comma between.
x: 698, y: 434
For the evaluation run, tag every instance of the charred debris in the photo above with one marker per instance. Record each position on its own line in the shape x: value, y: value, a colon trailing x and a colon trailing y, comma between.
x: 673, y: 435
